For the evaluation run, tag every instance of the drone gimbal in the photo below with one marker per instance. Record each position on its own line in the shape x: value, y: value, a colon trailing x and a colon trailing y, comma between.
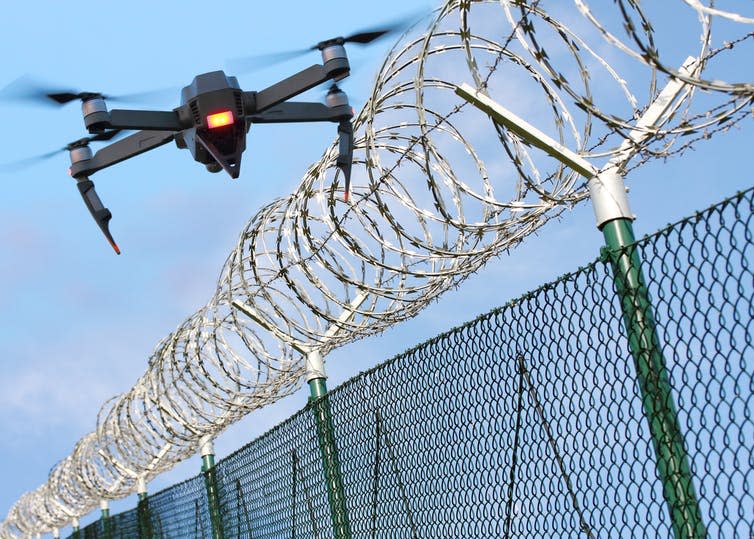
x: 212, y: 122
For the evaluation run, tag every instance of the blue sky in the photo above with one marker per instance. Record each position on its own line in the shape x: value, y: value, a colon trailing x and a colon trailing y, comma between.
x: 77, y: 323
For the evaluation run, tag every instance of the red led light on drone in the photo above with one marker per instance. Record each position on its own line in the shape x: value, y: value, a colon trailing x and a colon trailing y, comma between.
x: 220, y: 119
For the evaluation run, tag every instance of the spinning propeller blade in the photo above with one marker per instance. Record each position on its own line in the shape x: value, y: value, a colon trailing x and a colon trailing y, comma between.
x: 256, y: 62
x: 21, y: 164
x: 366, y: 37
x: 36, y: 159
x: 259, y: 61
x: 62, y: 98
x: 27, y: 89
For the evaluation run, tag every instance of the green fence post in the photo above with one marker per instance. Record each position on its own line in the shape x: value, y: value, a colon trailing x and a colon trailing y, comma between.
x: 656, y: 391
x: 105, y: 523
x: 320, y: 403
x: 210, y: 483
x: 608, y: 193
x: 142, y: 510
x: 614, y: 218
x: 318, y: 400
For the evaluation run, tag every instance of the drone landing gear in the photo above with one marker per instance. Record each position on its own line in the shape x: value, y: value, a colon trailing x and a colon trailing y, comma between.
x: 98, y: 210
x: 345, y: 153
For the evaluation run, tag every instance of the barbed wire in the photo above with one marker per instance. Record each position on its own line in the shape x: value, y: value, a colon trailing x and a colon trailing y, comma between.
x: 432, y: 200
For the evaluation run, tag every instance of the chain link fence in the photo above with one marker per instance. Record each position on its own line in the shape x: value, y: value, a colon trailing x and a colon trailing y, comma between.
x: 526, y: 422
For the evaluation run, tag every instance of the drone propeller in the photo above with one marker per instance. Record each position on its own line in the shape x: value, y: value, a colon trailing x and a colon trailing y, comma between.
x: 31, y: 161
x: 260, y: 61
x: 61, y: 98
x: 364, y: 37
x: 26, y: 89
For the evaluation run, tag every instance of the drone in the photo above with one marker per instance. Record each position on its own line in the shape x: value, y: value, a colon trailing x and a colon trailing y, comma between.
x: 212, y: 121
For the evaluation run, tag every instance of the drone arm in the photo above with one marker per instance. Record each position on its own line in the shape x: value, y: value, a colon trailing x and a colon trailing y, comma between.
x: 287, y: 88
x: 121, y: 150
x: 301, y: 112
x: 153, y: 120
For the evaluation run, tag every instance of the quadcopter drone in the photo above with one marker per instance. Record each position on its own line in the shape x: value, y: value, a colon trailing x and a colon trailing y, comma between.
x: 212, y: 121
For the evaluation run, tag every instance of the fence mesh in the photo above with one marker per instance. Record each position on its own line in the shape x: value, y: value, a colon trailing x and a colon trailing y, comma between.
x: 526, y: 422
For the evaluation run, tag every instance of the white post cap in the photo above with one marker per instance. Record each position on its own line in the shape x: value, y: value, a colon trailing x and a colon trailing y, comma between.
x: 315, y: 366
x: 206, y: 446
x: 608, y: 194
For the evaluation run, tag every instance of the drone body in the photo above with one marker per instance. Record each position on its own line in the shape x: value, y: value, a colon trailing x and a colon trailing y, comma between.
x: 212, y: 121
x: 218, y: 137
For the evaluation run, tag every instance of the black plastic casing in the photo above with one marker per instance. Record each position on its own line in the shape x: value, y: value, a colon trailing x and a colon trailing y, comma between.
x: 211, y: 93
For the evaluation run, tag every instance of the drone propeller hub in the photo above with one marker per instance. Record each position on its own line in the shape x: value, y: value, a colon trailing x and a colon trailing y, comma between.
x: 336, y: 97
x: 95, y: 113
x: 89, y: 96
x: 334, y: 58
x: 79, y: 151
x: 322, y: 45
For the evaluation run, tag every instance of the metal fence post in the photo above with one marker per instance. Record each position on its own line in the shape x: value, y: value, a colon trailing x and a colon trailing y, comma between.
x: 319, y: 401
x: 105, y: 523
x: 210, y: 482
x: 320, y: 404
x: 656, y: 391
x: 614, y: 217
x: 142, y: 510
